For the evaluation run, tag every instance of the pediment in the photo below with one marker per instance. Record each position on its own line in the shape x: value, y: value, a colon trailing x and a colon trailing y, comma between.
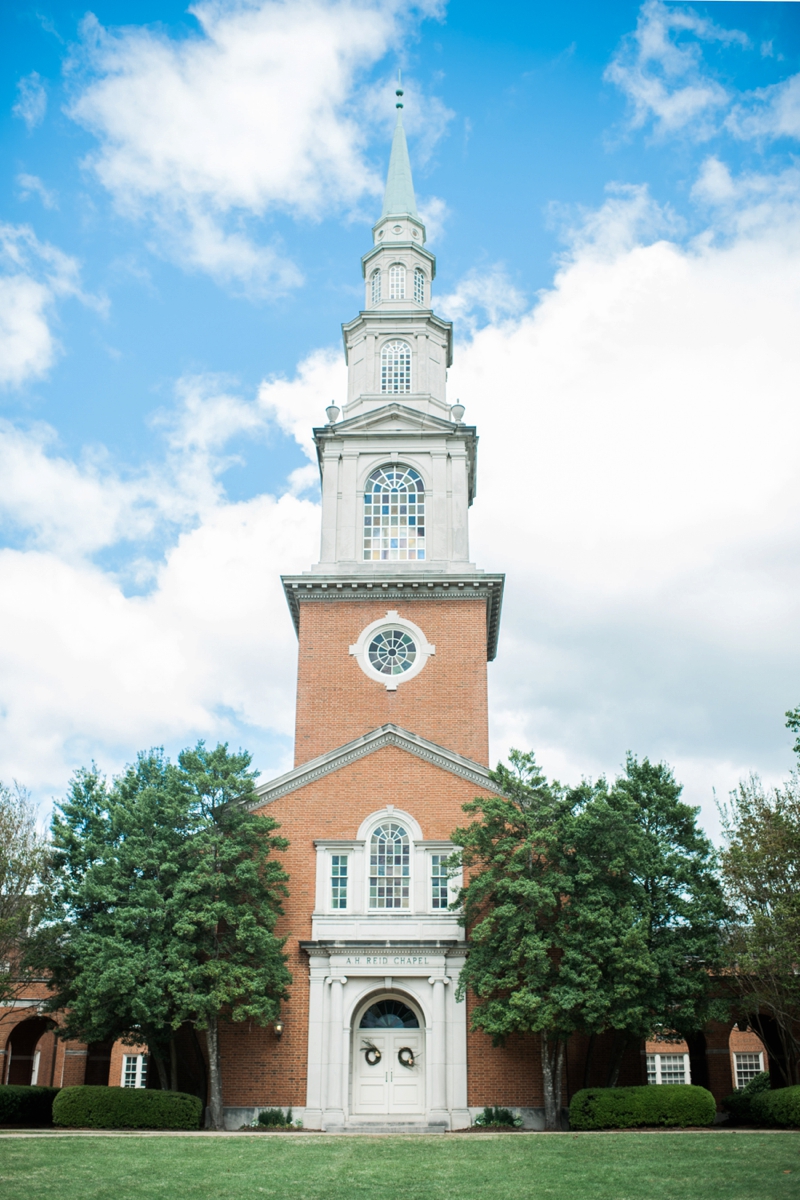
x: 384, y: 735
x: 396, y: 418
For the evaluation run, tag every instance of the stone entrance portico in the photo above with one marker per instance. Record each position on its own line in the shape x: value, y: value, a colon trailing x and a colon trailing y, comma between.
x: 343, y: 979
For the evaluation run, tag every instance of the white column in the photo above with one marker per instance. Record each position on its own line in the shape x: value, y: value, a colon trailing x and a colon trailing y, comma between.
x: 334, y: 1112
x: 437, y: 1052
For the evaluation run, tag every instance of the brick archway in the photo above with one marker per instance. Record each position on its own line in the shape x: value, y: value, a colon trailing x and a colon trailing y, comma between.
x: 25, y: 1040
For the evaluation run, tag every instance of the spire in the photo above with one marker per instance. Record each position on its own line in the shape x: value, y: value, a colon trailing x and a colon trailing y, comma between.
x: 399, y: 198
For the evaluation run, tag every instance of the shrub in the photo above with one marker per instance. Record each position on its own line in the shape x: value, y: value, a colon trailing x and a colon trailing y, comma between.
x: 497, y: 1117
x: 674, y: 1104
x: 739, y: 1102
x: 781, y: 1107
x: 274, y: 1116
x: 91, y: 1107
x: 20, y: 1105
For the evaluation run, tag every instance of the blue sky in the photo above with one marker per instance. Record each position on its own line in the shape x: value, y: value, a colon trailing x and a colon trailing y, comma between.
x: 613, y: 196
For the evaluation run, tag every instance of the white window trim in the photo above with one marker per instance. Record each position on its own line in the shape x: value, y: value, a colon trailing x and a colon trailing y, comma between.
x: 139, y: 1068
x: 736, y: 1054
x: 392, y: 621
x: 686, y: 1067
x: 445, y: 849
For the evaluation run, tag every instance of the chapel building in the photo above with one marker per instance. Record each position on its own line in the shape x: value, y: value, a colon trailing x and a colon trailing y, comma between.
x: 395, y: 626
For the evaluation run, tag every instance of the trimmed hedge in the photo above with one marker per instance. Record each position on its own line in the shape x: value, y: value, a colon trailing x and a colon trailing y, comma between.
x: 781, y: 1107
x: 673, y: 1104
x: 739, y: 1103
x: 26, y: 1105
x: 88, y: 1107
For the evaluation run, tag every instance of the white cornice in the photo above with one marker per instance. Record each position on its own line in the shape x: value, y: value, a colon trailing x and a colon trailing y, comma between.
x: 385, y: 735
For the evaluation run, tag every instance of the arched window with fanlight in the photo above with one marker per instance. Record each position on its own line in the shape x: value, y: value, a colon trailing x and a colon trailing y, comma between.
x: 394, y: 515
x: 397, y: 282
x: 389, y: 867
x: 375, y: 281
x: 419, y: 285
x: 396, y: 367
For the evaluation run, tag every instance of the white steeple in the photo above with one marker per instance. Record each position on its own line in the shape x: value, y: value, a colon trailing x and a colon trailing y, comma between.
x: 396, y: 417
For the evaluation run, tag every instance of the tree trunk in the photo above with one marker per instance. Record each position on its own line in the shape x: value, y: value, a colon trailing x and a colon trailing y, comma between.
x: 552, y: 1068
x: 214, y: 1074
x: 587, y: 1066
x: 621, y: 1042
x: 163, y: 1078
x: 173, y: 1065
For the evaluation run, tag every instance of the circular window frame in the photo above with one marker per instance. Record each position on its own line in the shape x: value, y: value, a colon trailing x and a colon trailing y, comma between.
x: 392, y: 620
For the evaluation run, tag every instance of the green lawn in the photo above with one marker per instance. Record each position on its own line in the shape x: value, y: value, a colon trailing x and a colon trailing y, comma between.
x: 631, y: 1166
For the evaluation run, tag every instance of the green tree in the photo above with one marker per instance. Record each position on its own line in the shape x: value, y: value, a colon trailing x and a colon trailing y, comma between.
x: 679, y: 905
x: 556, y: 945
x: 761, y: 872
x: 118, y: 851
x: 166, y: 907
x: 227, y: 958
x: 23, y: 885
x: 589, y: 909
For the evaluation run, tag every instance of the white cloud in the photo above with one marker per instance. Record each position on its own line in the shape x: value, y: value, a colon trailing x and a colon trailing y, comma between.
x: 298, y: 405
x: 90, y: 672
x: 31, y: 184
x: 33, y: 275
x: 639, y: 483
x: 770, y: 112
x: 662, y: 73
x: 260, y: 112
x: 490, y: 292
x: 32, y: 103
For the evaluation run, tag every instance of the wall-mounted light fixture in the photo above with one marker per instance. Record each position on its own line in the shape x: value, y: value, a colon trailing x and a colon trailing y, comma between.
x: 278, y: 1027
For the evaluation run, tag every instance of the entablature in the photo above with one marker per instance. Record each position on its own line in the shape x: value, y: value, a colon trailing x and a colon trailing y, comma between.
x: 396, y: 581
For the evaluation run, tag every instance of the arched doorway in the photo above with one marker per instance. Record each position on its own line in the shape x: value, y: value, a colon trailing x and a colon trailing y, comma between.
x: 388, y: 1058
x: 30, y: 1055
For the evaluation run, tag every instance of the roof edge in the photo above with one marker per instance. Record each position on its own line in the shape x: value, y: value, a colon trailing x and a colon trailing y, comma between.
x: 368, y: 743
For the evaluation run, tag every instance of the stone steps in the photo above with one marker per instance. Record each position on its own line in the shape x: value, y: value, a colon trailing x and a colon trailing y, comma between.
x: 387, y: 1127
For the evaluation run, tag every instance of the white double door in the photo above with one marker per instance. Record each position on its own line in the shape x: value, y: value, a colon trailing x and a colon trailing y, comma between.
x: 394, y: 1084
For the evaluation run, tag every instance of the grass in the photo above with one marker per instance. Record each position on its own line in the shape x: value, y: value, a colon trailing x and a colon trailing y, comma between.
x: 630, y: 1166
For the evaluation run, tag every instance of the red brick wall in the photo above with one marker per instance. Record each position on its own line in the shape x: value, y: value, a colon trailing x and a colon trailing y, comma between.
x: 258, y: 1067
x: 446, y: 702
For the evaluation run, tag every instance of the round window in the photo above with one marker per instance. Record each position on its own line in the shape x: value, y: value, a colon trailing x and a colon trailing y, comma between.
x: 392, y: 652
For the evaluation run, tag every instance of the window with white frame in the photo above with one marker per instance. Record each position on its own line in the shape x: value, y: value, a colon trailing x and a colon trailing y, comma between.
x: 668, y: 1068
x: 394, y: 515
x: 747, y: 1067
x: 419, y: 285
x: 134, y: 1071
x: 397, y: 282
x: 440, y: 897
x: 375, y: 280
x: 389, y: 867
x: 338, y: 881
x: 396, y: 367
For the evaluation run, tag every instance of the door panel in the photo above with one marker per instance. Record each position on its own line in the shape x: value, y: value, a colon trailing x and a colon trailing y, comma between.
x: 387, y: 1087
x: 405, y: 1083
x: 371, y: 1081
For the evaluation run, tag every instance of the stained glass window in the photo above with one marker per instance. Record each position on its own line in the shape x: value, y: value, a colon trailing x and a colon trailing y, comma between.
x: 389, y: 1014
x: 392, y: 652
x: 376, y: 287
x: 397, y: 282
x: 396, y: 367
x: 338, y: 881
x: 439, y: 893
x: 389, y: 867
x: 419, y: 285
x: 394, y: 515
